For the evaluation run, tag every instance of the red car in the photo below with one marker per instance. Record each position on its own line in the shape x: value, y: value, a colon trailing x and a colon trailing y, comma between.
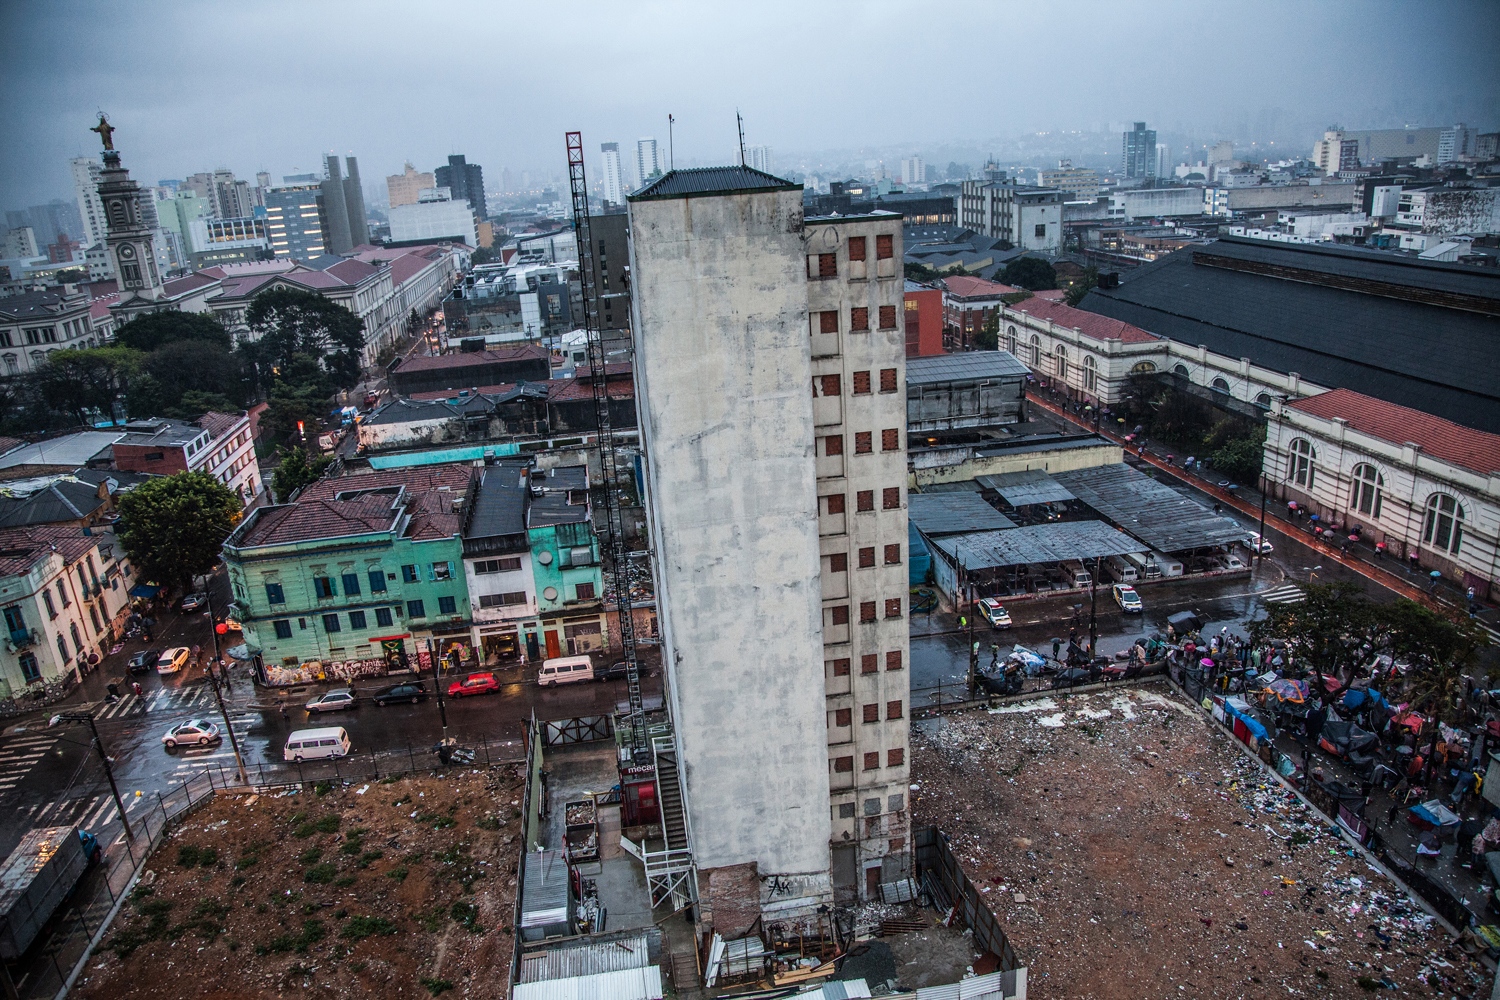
x: 474, y: 684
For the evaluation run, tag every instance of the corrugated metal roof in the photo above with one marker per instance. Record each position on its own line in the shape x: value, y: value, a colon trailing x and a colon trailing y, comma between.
x: 1026, y: 487
x: 587, y: 956
x: 623, y: 984
x: 1154, y: 512
x: 938, y: 514
x: 544, y: 890
x: 704, y: 181
x: 1060, y: 541
x: 970, y: 366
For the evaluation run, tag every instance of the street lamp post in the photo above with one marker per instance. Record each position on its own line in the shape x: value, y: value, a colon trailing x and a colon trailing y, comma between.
x: 437, y: 683
x: 1260, y: 544
x: 234, y: 743
x: 109, y: 773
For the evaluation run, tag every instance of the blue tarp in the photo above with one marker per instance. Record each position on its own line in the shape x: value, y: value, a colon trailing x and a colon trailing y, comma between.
x: 144, y: 590
x: 1251, y: 722
x: 1355, y: 698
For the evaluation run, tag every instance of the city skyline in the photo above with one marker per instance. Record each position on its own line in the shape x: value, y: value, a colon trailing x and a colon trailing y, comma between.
x: 1132, y: 62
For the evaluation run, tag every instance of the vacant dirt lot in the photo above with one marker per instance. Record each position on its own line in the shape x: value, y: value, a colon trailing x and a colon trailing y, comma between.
x: 1129, y: 849
x: 402, y: 888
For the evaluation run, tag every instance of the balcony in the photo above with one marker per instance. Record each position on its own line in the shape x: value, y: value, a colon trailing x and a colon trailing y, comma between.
x: 20, y: 638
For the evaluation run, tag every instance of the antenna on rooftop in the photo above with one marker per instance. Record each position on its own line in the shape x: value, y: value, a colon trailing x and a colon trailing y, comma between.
x: 740, y: 121
x: 671, y: 155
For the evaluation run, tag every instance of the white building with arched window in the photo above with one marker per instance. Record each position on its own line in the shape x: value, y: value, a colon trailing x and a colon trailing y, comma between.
x: 1415, y: 481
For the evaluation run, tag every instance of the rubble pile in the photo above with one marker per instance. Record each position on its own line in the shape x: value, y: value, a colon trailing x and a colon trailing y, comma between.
x: 1128, y: 848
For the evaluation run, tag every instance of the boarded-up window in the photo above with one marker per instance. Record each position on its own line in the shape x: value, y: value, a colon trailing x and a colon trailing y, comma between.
x: 838, y: 562
x: 872, y: 713
x: 893, y: 608
x: 864, y: 500
x: 892, y: 555
x: 888, y: 317
x: 893, y: 709
x: 842, y: 717
x: 872, y: 761
x: 890, y: 498
x: 869, y: 663
x: 859, y: 318
x: 828, y: 266
x: 885, y: 247
x: 887, y: 380
x: 861, y: 383
x: 828, y: 321
x: 833, y: 444
x: 895, y: 758
x: 840, y: 668
x: 839, y: 614
x: 856, y: 248
x: 867, y: 557
x: 843, y: 764
x: 867, y: 611
x: 829, y: 385
x: 890, y: 439
x: 863, y: 442
x: 893, y: 660
x: 835, y: 502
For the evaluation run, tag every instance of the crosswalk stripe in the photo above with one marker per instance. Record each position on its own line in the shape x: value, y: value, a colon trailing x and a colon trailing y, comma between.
x: 1288, y: 593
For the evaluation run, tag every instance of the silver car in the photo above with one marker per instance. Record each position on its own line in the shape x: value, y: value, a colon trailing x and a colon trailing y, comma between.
x: 334, y: 701
x: 194, y: 732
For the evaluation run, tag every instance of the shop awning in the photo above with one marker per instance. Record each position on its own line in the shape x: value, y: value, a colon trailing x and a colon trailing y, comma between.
x: 146, y: 590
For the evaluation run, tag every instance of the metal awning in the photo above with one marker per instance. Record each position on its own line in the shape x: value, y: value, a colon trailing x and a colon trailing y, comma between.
x: 937, y: 514
x: 1026, y: 487
x: 1060, y: 541
x: 1154, y: 512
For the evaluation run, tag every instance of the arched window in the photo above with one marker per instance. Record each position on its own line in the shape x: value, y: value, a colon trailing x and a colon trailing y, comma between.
x: 1090, y: 374
x: 1036, y: 351
x: 1300, y: 464
x: 1263, y: 401
x: 1445, y: 523
x: 1061, y: 354
x: 1180, y: 370
x: 1221, y: 385
x: 1142, y: 367
x: 1010, y: 340
x: 11, y: 368
x: 1366, y: 493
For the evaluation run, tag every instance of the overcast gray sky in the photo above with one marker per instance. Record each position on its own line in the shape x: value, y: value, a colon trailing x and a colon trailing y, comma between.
x: 251, y: 85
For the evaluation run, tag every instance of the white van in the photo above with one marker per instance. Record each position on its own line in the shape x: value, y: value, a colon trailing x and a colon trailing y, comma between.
x: 1145, y: 568
x: 1121, y: 569
x: 316, y: 744
x: 565, y: 670
x: 1169, y: 567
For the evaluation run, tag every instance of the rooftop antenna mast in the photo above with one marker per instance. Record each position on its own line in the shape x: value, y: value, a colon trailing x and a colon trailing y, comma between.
x: 740, y: 121
x: 671, y: 150
x: 614, y: 525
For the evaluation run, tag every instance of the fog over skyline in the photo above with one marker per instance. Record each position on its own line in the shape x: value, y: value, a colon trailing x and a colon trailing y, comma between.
x: 268, y: 85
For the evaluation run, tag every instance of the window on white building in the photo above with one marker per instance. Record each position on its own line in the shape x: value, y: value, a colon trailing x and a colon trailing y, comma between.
x: 1180, y: 370
x: 1220, y: 385
x: 1061, y: 353
x: 1367, y: 490
x: 1090, y: 374
x: 1263, y: 401
x: 1036, y: 351
x: 1445, y: 523
x: 1010, y: 340
x: 1300, y: 462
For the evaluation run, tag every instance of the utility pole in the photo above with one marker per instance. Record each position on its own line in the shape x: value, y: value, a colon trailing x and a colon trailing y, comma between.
x: 234, y: 743
x: 1261, y: 542
x: 1093, y: 609
x: 103, y: 758
x: 437, y: 684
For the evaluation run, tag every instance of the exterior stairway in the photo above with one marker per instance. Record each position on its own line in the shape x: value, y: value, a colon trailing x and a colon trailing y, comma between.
x: 669, y: 795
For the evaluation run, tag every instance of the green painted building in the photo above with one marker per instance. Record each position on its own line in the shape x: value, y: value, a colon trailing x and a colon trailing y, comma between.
x: 356, y: 577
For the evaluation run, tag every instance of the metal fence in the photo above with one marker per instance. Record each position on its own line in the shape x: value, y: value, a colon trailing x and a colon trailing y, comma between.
x: 48, y: 968
x: 941, y: 875
x: 955, y: 697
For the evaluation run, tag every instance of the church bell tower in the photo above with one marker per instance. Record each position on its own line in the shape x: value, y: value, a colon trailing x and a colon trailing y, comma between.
x: 129, y: 236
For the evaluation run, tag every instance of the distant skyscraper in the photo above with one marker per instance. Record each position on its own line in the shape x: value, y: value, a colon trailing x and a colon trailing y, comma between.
x: 758, y: 158
x: 354, y: 203
x: 1138, y: 152
x: 1163, y: 160
x: 1456, y: 142
x: 295, y: 221
x: 86, y: 172
x: 614, y: 177
x: 647, y: 163
x: 335, y: 210
x: 913, y: 170
x: 465, y: 181
x: 403, y: 188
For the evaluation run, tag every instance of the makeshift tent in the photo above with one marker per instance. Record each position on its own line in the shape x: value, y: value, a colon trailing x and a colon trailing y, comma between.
x: 1289, y: 690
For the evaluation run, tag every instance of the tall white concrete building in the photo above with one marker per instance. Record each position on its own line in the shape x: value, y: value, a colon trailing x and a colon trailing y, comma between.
x: 913, y: 170
x: 647, y: 162
x: 758, y: 158
x: 86, y: 170
x: 614, y: 174
x: 778, y: 530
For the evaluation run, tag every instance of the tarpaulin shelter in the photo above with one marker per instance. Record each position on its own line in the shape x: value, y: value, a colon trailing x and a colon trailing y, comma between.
x: 1289, y: 690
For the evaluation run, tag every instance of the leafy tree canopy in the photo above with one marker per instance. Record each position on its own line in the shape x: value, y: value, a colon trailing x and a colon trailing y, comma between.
x: 988, y: 337
x: 297, y: 469
x: 173, y: 527
x: 150, y: 331
x: 86, y: 382
x: 291, y: 322
x: 1082, y: 286
x: 1029, y: 272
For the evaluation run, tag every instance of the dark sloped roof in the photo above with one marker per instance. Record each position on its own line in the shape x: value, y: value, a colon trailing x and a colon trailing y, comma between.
x: 1422, y: 354
x: 500, y: 502
x: 701, y: 182
x: 937, y: 514
x: 963, y: 367
x: 1151, y: 511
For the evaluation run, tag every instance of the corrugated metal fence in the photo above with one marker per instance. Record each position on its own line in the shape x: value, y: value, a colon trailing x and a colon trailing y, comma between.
x: 939, y: 873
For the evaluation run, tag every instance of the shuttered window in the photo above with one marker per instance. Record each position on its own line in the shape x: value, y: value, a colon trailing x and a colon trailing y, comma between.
x: 890, y: 439
x: 887, y: 380
x: 869, y: 664
x: 893, y: 608
x: 867, y: 557
x: 863, y: 442
x: 828, y: 321
x: 892, y: 555
x: 859, y: 319
x: 888, y: 317
x: 864, y: 500
x: 893, y: 660
x: 895, y: 758
x: 856, y: 248
x: 830, y: 385
x: 890, y: 498
x: 867, y: 611
x: 840, y: 668
x: 833, y: 444
x: 838, y: 562
x: 872, y: 713
x: 835, y: 503
x: 840, y: 614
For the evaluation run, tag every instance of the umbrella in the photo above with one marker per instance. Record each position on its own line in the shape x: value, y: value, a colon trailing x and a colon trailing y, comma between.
x: 1288, y: 690
x: 1205, y: 662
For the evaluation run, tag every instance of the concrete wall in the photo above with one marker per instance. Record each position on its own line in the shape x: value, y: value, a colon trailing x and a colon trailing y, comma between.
x: 726, y: 421
x: 959, y: 464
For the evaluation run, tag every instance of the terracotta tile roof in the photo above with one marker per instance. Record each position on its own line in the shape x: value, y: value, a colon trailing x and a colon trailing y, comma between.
x: 1091, y: 325
x: 23, y: 548
x: 1051, y: 294
x: 187, y: 283
x: 1477, y: 451
x: 307, y: 520
x: 99, y: 308
x: 465, y: 359
x: 218, y: 423
x: 7, y: 443
x: 562, y: 390
x: 966, y: 287
x: 432, y: 489
x: 406, y: 267
x: 483, y: 390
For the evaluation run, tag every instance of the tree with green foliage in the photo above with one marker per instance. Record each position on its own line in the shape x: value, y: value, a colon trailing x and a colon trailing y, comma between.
x: 173, y: 527
x: 1082, y: 286
x: 85, y: 383
x: 178, y: 375
x: 298, y: 468
x: 1440, y: 652
x: 1029, y: 272
x: 1331, y: 633
x: 988, y: 337
x: 291, y: 322
x: 1240, y: 458
x: 290, y: 403
x: 150, y: 331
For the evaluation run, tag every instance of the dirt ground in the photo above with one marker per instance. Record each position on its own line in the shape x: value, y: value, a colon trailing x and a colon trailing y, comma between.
x: 1128, y: 848
x: 398, y: 888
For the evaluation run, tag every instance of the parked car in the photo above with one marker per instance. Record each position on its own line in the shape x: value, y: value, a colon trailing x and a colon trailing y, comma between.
x: 193, y: 602
x: 994, y: 612
x: 474, y: 684
x: 1259, y: 544
x: 334, y: 701
x: 140, y: 663
x: 172, y: 660
x: 194, y: 732
x: 411, y: 691
x: 616, y: 671
x: 1126, y: 597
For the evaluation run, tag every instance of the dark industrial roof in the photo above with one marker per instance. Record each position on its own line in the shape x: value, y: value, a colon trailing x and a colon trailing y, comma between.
x: 1026, y: 487
x: 564, y: 498
x: 1060, y: 541
x: 937, y: 514
x: 702, y: 182
x: 470, y: 359
x: 966, y: 367
x: 62, y: 498
x: 1155, y: 513
x: 1415, y: 333
x: 500, y: 502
